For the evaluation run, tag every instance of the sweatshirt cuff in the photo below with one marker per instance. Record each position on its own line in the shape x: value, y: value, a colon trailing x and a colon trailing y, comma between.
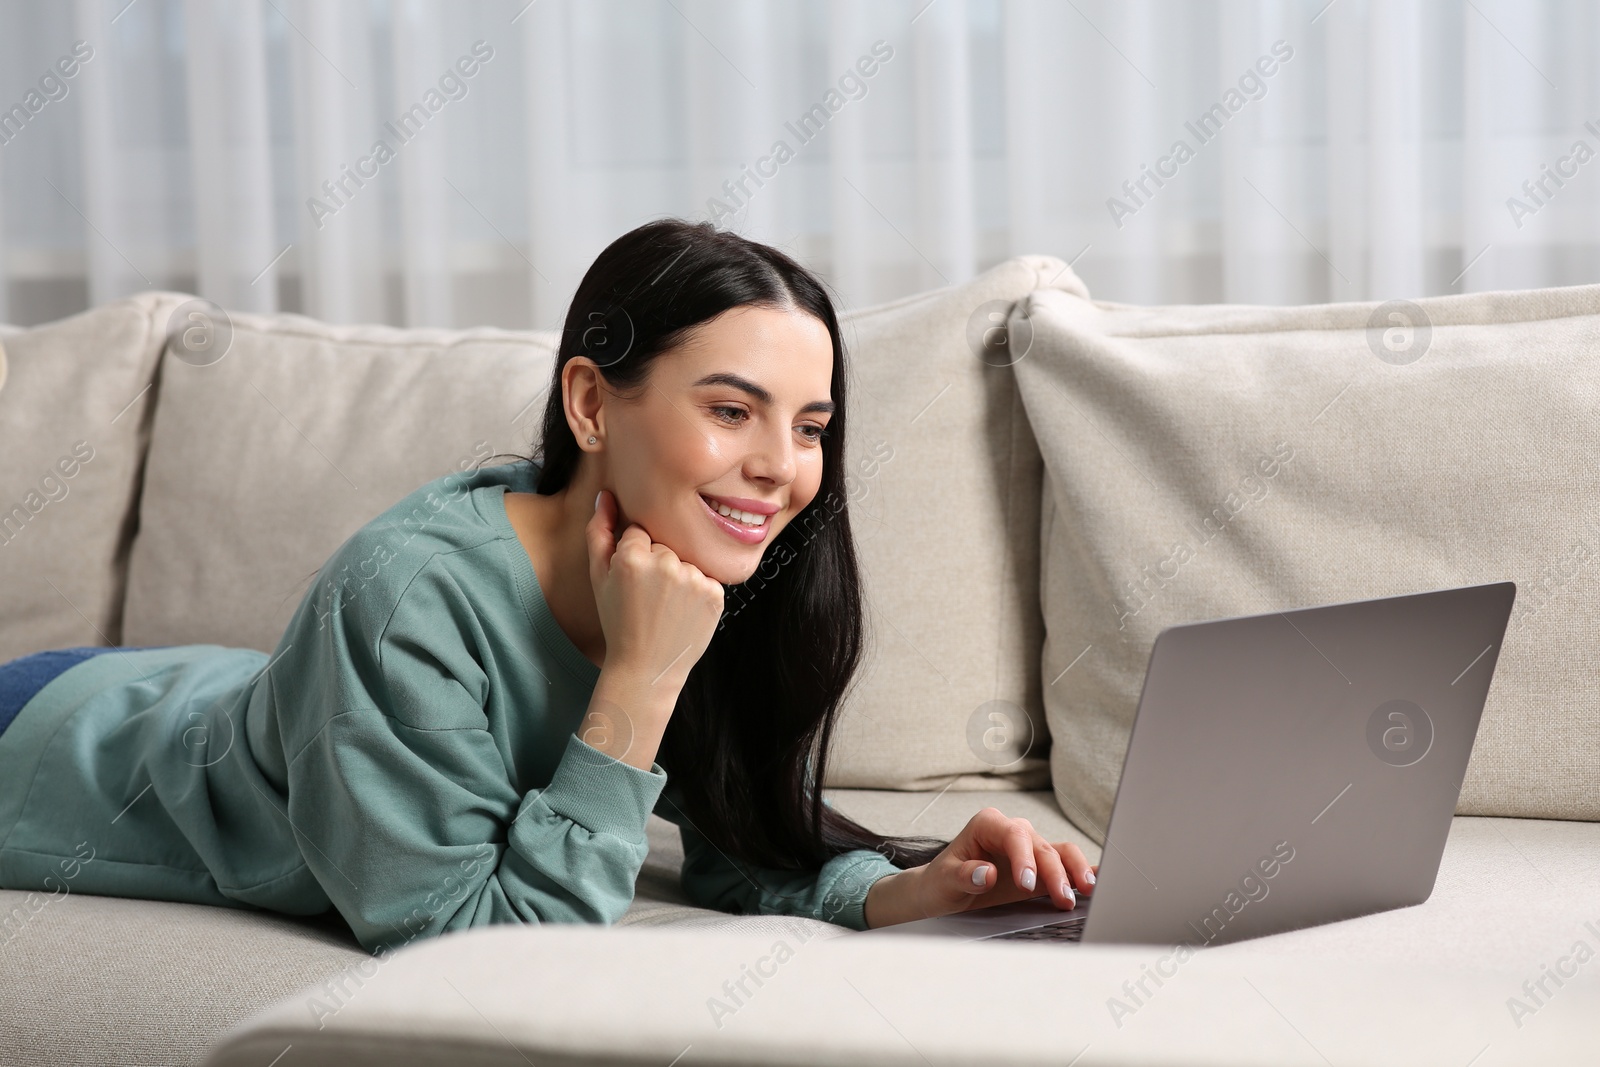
x: 602, y: 794
x: 848, y: 893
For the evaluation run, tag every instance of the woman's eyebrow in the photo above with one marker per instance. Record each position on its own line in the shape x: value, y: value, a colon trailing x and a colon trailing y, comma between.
x: 760, y: 394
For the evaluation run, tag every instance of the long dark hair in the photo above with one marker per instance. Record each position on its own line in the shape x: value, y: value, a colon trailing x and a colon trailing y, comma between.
x: 793, y: 632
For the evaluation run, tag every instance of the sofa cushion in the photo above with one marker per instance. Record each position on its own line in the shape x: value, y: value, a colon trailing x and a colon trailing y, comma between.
x: 1213, y: 461
x: 946, y: 523
x: 165, y: 979
x: 265, y: 460
x: 105, y: 980
x: 1426, y: 984
x: 182, y: 973
x: 74, y: 423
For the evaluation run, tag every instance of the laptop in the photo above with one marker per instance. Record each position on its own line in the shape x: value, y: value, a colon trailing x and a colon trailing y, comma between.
x: 1284, y: 770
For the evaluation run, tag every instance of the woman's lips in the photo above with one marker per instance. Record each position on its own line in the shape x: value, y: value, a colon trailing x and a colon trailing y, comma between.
x: 749, y: 535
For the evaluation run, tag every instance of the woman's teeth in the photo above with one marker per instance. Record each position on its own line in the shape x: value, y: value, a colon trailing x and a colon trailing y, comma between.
x: 745, y: 517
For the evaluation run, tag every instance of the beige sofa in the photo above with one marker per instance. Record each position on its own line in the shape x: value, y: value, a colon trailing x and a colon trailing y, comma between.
x: 1025, y: 461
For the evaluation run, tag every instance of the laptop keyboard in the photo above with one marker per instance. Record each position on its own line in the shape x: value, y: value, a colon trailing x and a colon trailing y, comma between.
x: 1065, y: 930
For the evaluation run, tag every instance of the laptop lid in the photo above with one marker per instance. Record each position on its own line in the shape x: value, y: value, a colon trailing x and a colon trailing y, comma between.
x: 1296, y: 767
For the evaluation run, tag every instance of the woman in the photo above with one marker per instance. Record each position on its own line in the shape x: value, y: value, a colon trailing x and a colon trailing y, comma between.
x: 461, y: 723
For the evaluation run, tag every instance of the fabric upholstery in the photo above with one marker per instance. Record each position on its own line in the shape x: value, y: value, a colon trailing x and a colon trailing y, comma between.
x: 1423, y: 984
x: 106, y: 980
x: 490, y: 999
x: 1213, y: 461
x: 176, y: 976
x: 265, y: 461
x: 946, y: 525
x: 75, y: 405
x: 486, y: 998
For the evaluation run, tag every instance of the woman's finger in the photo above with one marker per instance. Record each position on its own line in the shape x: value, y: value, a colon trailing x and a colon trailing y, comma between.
x: 996, y: 834
x: 1053, y: 873
x: 977, y: 876
x: 1078, y: 865
x: 600, y: 534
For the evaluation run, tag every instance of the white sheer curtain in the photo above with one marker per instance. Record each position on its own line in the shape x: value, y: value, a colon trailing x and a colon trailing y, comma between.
x: 1336, y: 151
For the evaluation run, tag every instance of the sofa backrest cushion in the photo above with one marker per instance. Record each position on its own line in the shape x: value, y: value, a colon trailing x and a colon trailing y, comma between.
x: 75, y: 408
x: 1212, y: 461
x: 266, y: 460
x: 947, y: 526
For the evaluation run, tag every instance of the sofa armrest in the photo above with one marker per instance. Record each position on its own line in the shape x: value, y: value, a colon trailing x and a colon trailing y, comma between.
x: 567, y: 995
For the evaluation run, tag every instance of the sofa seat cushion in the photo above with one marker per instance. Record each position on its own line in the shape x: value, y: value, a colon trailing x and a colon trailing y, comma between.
x: 137, y: 981
x: 150, y: 982
x: 1429, y: 984
x: 1511, y: 894
x: 107, y: 980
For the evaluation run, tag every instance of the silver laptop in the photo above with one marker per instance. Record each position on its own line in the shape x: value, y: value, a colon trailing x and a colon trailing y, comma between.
x: 1284, y: 770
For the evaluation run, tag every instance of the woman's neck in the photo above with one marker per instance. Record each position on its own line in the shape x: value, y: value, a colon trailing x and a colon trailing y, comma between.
x: 552, y: 533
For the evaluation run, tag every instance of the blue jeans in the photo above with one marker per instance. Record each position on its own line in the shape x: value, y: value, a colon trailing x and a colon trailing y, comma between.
x: 21, y: 679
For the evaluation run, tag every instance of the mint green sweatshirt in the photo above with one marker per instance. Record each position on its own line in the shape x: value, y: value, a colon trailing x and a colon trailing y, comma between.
x: 407, y: 755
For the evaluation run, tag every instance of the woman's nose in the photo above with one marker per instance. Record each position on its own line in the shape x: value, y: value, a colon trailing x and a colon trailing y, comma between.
x: 772, y: 458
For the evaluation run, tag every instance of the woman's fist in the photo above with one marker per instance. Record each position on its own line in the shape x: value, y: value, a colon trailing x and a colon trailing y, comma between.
x: 658, y: 613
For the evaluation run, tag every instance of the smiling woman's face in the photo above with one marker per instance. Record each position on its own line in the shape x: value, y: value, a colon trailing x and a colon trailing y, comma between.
x: 733, y: 414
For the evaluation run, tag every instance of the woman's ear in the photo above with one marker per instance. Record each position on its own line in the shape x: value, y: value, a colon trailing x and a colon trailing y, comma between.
x: 582, y: 399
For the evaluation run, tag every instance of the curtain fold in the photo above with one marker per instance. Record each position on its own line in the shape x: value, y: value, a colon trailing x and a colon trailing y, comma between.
x: 552, y: 238
x: 946, y: 228
x: 418, y: 162
x: 1395, y: 210
x: 225, y: 49
x: 855, y: 224
x: 343, y: 253
x: 104, y: 235
x: 1024, y: 66
x: 420, y: 66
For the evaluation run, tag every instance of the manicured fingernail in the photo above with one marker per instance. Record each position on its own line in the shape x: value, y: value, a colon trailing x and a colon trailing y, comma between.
x: 1027, y: 878
x: 597, y: 500
x: 1088, y: 876
x: 1066, y: 891
x: 979, y: 875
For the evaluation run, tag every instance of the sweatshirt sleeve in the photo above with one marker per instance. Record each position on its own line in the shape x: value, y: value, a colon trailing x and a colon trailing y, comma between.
x: 406, y: 814
x: 836, y: 893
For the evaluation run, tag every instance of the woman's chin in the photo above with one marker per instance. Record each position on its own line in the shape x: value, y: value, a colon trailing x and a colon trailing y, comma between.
x: 728, y: 567
x: 729, y: 572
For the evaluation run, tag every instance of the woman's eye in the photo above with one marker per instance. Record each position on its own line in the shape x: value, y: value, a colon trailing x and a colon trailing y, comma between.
x: 734, y: 416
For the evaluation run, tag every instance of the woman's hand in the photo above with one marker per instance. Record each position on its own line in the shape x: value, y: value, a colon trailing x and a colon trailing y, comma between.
x: 1003, y: 852
x: 657, y: 612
